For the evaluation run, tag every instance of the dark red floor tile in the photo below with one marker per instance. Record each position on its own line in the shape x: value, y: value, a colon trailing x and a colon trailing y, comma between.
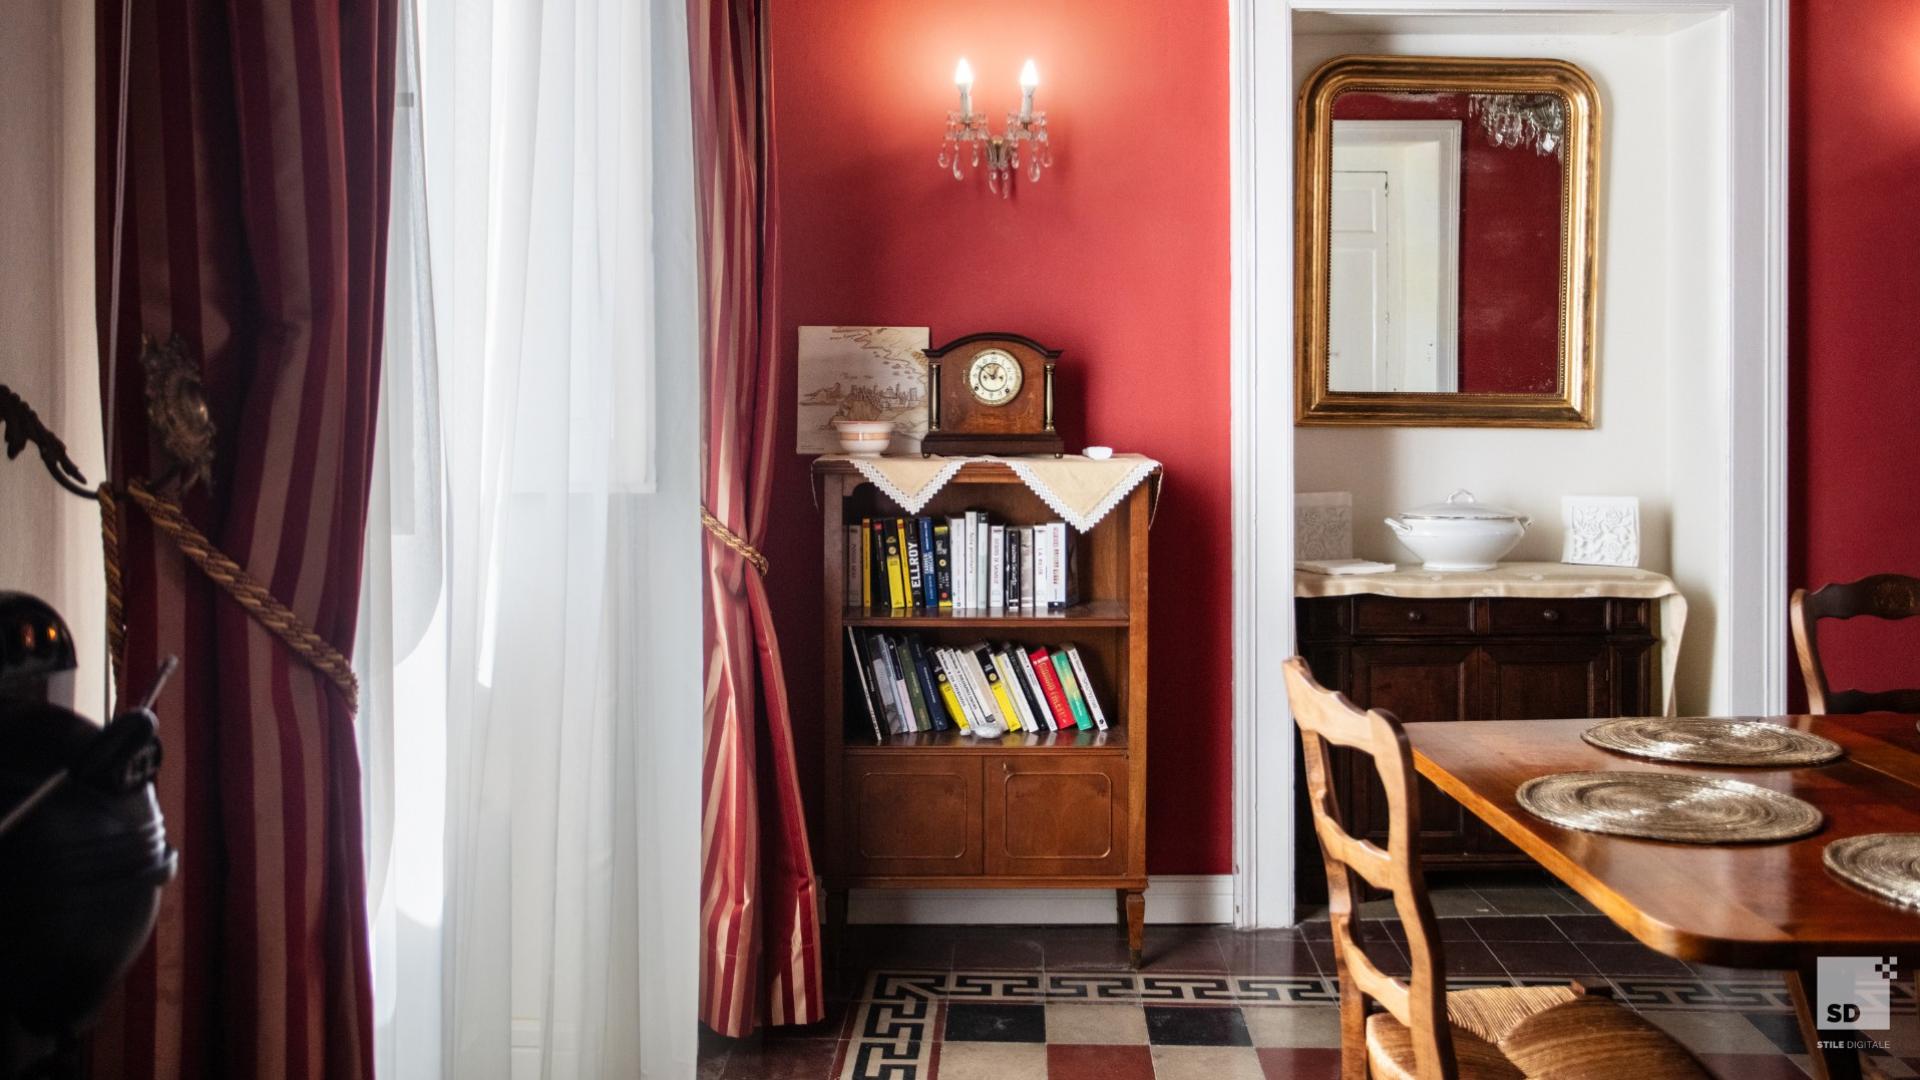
x: 1299, y: 1063
x: 1076, y: 1062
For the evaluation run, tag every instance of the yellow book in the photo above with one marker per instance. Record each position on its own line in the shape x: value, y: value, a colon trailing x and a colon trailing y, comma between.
x: 999, y: 688
x: 896, y: 570
x: 906, y: 565
x: 866, y: 563
x: 951, y: 699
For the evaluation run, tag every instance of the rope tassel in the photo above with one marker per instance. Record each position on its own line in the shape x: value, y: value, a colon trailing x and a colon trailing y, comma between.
x: 277, y: 618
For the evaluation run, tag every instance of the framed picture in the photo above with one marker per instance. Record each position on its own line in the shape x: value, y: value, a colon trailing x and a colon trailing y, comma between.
x: 861, y: 373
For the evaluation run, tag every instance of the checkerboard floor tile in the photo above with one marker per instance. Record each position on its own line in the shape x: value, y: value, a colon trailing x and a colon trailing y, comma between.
x: 914, y: 1003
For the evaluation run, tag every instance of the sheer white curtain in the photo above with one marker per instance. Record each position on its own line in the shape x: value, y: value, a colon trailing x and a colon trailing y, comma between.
x: 531, y: 652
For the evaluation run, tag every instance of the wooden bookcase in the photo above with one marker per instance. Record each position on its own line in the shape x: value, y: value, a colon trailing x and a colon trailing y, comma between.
x: 944, y: 810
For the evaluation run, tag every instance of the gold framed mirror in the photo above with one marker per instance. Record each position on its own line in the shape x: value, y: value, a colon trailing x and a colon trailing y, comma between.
x: 1445, y: 224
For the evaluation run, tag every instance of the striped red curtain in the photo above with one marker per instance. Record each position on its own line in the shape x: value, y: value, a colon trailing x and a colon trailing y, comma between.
x: 760, y: 948
x: 252, y: 229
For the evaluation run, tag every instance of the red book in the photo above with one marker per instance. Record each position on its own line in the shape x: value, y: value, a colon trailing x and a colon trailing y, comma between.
x: 1050, y: 686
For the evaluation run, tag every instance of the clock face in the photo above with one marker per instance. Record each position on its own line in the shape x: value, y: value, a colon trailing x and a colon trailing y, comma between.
x: 994, y: 377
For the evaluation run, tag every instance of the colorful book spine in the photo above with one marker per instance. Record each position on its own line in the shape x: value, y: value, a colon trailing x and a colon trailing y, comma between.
x: 1010, y: 682
x: 879, y: 657
x: 896, y: 568
x: 1028, y: 593
x: 1063, y: 667
x: 866, y: 687
x: 1086, y: 686
x: 1050, y: 686
x: 866, y: 562
x: 988, y: 720
x: 1038, y: 691
x: 996, y: 568
x: 942, y: 567
x: 910, y: 680
x: 910, y: 547
x: 957, y: 551
x: 983, y: 657
x: 949, y: 697
x: 929, y: 689
x: 929, y: 566
x: 882, y: 576
x: 1043, y: 556
x: 982, y: 567
x: 1014, y: 557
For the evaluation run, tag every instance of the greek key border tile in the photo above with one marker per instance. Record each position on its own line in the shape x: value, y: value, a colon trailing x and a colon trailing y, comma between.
x: 893, y: 1040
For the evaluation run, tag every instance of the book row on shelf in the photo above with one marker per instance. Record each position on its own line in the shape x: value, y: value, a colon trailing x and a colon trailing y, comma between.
x: 911, y: 684
x: 967, y: 563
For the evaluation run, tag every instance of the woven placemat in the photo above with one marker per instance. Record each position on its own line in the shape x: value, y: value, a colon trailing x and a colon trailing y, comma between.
x: 1712, y: 740
x: 1885, y: 864
x: 1682, y: 807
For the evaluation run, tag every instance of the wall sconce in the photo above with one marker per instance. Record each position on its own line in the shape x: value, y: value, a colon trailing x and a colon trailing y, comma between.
x: 968, y: 134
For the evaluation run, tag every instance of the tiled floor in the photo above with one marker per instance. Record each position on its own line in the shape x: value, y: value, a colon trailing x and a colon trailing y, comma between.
x: 1011, y: 1003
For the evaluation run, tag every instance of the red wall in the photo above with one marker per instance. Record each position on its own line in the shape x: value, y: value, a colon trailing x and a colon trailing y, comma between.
x: 1119, y: 256
x: 1855, y: 288
x: 1509, y: 252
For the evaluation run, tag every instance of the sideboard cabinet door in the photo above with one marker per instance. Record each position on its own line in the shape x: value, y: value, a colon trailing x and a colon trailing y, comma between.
x: 1418, y: 683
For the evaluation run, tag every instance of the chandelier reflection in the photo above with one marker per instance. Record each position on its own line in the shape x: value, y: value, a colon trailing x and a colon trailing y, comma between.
x: 1535, y: 121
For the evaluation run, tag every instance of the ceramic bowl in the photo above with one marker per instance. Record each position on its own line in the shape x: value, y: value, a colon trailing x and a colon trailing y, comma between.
x: 1459, y: 534
x: 864, y: 438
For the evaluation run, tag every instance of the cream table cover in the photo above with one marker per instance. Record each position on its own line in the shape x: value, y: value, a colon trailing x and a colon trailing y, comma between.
x: 1079, y: 489
x: 1539, y: 580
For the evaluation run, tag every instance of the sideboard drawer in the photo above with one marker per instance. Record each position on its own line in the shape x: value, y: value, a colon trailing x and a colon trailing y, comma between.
x: 1059, y: 814
x: 913, y: 815
x: 1392, y: 616
x: 1528, y: 615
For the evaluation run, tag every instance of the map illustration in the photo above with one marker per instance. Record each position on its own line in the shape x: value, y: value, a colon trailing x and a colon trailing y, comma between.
x: 861, y: 373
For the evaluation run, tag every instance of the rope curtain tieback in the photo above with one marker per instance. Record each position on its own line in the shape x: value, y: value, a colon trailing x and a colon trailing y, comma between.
x: 734, y: 540
x: 233, y: 579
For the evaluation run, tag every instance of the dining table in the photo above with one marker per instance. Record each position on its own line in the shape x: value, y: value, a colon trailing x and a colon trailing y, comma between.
x: 1761, y: 906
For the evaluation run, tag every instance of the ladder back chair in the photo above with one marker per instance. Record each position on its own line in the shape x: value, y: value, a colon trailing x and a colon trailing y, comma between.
x: 1422, y: 1032
x: 1885, y: 596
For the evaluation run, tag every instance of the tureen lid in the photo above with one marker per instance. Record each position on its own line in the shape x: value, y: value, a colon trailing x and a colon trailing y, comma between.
x: 1461, y: 506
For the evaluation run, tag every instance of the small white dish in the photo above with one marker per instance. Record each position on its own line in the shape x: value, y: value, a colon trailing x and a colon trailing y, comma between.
x: 1098, y: 453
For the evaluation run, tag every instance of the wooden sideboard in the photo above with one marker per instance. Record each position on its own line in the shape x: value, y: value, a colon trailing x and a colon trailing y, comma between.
x: 1465, y: 659
x: 943, y: 810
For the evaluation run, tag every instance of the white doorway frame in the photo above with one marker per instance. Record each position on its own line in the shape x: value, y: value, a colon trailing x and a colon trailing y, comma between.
x: 1261, y: 94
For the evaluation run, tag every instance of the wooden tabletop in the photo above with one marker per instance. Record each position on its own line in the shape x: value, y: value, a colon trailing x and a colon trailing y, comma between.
x: 1771, y: 906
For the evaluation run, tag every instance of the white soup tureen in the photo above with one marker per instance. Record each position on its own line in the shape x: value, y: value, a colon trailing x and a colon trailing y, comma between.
x: 1459, y: 534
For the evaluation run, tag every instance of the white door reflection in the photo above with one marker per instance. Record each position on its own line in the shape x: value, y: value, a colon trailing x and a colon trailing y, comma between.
x: 1393, y: 271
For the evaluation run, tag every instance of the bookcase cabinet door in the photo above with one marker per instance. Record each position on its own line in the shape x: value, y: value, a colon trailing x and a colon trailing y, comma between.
x: 913, y: 815
x: 1056, y: 815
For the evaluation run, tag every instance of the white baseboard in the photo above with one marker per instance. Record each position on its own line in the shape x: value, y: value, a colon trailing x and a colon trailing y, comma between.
x: 1171, y: 898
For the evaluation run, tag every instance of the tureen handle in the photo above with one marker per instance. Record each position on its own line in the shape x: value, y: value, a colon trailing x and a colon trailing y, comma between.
x: 1398, y: 526
x: 1459, y: 495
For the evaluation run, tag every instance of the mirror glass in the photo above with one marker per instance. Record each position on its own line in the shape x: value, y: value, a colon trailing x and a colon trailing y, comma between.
x: 1446, y: 236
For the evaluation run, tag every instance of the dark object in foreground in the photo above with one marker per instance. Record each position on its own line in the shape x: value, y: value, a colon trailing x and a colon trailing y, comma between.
x: 83, y: 851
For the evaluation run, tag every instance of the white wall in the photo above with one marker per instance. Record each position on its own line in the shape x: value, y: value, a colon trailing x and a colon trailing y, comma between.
x: 1660, y: 341
x: 51, y: 546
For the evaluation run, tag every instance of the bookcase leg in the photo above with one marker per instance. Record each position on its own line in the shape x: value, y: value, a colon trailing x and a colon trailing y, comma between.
x: 1133, y: 914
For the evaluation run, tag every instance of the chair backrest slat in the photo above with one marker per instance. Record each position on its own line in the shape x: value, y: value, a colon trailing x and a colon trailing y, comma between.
x: 1326, y: 720
x: 1885, y: 596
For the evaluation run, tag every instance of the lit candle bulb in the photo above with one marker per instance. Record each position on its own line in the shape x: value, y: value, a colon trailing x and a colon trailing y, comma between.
x: 1029, y: 78
x: 963, y: 78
